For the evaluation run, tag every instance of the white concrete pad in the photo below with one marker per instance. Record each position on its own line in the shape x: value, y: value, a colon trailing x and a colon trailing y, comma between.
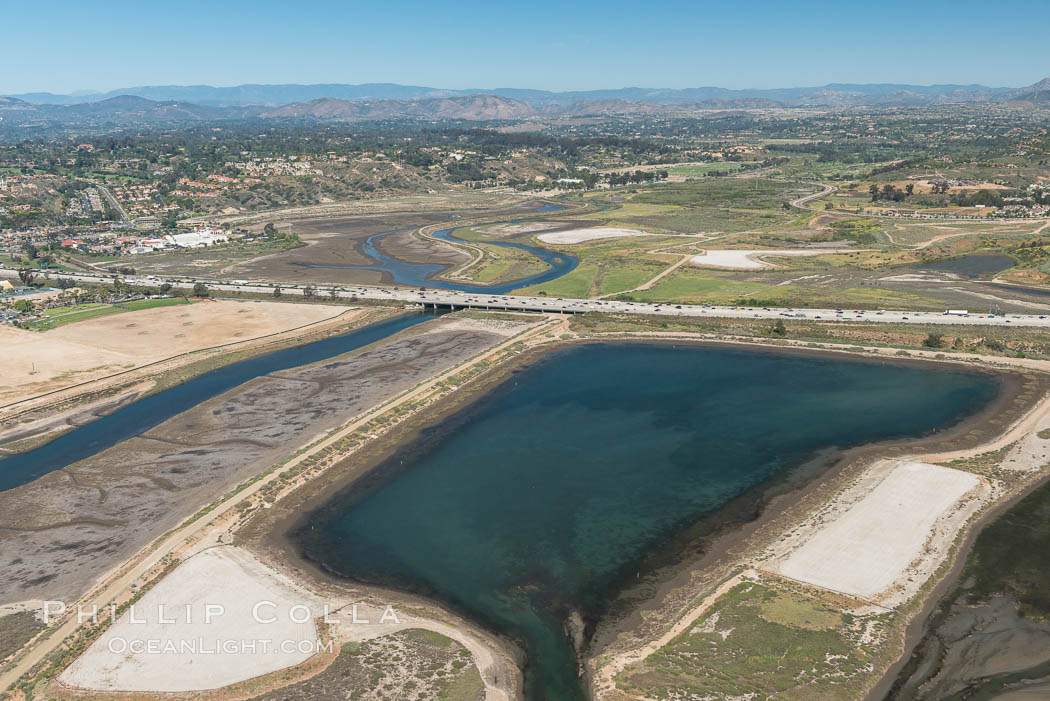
x: 181, y: 656
x: 583, y: 235
x: 750, y: 260
x: 885, y: 543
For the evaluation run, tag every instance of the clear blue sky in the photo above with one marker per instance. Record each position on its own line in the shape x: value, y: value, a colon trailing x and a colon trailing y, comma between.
x: 62, y: 46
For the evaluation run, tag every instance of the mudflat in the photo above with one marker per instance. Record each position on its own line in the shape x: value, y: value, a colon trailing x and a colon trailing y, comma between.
x: 62, y: 531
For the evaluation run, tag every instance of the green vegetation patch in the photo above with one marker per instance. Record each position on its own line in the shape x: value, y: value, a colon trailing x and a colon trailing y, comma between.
x: 697, y: 285
x: 762, y: 641
x: 713, y: 204
x: 16, y: 629
x: 53, y: 318
x: 860, y: 231
x: 412, y: 665
x: 504, y: 264
x: 577, y: 283
x: 798, y: 612
x: 1012, y: 555
x: 692, y: 170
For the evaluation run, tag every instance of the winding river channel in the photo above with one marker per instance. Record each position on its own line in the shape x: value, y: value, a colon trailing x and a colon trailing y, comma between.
x: 422, y: 274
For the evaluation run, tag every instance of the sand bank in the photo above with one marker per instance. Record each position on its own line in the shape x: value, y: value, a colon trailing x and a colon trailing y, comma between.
x: 752, y: 260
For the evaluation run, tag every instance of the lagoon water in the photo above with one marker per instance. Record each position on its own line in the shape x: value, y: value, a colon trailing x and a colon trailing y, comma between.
x: 547, y: 496
x: 972, y: 266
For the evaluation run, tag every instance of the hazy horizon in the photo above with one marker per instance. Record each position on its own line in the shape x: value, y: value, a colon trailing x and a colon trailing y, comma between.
x: 584, y: 46
x: 102, y: 91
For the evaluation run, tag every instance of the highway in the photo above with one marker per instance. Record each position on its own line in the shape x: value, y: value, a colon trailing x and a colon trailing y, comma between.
x: 473, y: 300
x: 114, y: 204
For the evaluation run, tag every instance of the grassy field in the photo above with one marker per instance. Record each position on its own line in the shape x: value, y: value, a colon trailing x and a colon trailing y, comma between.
x: 712, y: 204
x: 763, y: 641
x: 746, y: 213
x: 600, y: 275
x: 16, y: 629
x: 1012, y: 555
x: 694, y: 285
x: 21, y: 261
x: 693, y: 170
x: 412, y: 664
x: 53, y: 318
x: 503, y: 264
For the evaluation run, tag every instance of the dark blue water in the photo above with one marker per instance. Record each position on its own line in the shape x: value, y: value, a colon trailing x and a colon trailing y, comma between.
x: 550, y: 494
x: 970, y: 266
x: 420, y: 274
x: 1020, y: 289
x: 144, y: 414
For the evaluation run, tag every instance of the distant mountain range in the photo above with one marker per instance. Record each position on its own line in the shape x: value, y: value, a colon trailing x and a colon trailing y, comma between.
x: 276, y: 95
x: 175, y: 104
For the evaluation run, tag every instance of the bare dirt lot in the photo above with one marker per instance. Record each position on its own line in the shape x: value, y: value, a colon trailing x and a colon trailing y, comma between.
x: 61, y: 532
x: 37, y: 362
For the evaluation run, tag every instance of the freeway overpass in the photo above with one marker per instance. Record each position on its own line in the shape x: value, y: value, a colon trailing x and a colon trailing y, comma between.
x: 430, y: 297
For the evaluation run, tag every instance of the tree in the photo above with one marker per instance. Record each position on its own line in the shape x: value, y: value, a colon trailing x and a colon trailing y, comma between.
x: 165, y: 288
x: 779, y: 328
x: 23, y: 305
x: 934, y: 340
x: 276, y: 292
x: 270, y: 229
x: 909, y: 189
x: 200, y: 290
x: 308, y: 292
x: 26, y: 276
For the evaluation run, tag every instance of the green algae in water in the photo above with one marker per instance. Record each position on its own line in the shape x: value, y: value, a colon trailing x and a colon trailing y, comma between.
x: 547, y: 499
